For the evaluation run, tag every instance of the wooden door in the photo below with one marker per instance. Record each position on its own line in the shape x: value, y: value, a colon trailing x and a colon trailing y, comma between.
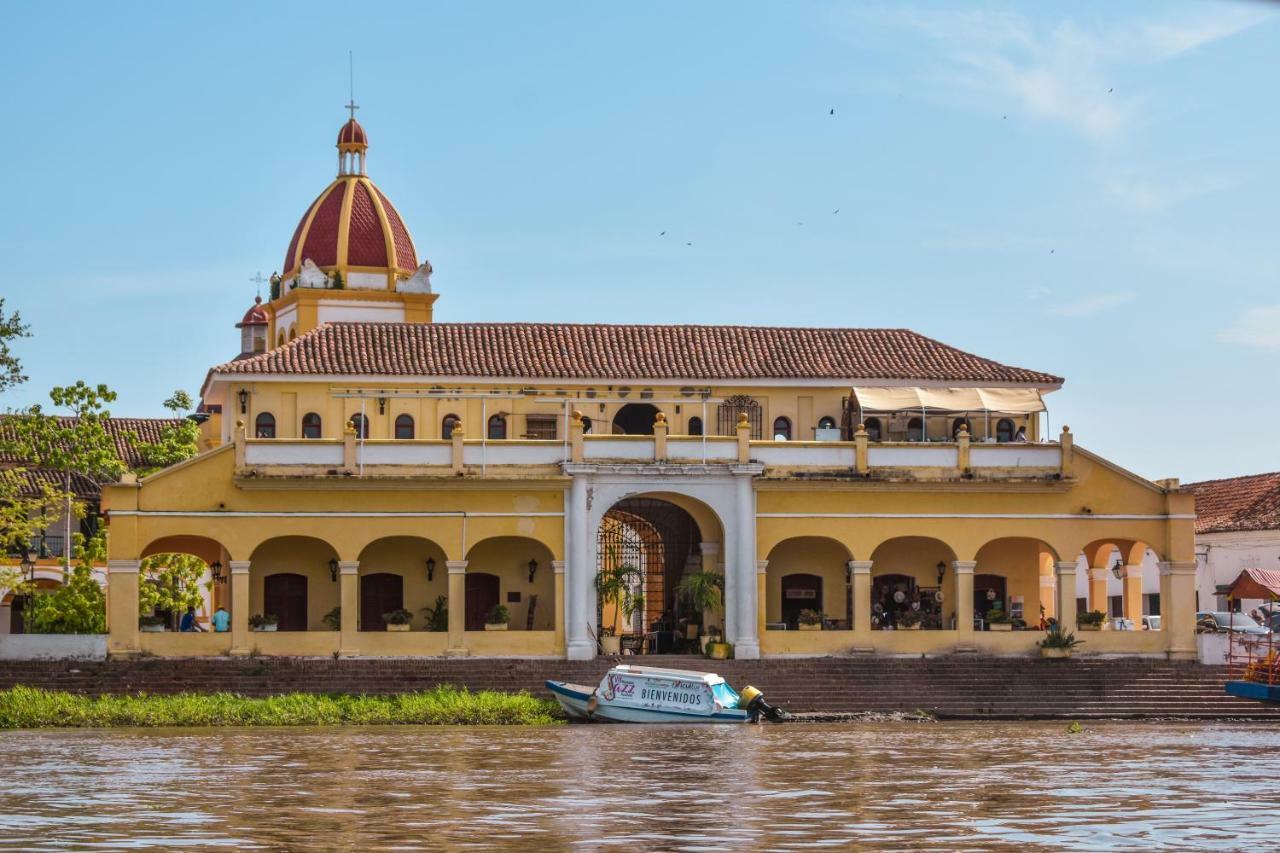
x: 482, y: 596
x: 380, y: 592
x: 285, y: 596
x: 800, y: 592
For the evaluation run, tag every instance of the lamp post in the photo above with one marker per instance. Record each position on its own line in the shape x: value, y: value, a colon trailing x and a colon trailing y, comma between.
x: 431, y: 569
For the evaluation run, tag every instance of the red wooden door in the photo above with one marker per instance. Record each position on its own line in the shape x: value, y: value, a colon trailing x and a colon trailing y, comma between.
x: 482, y: 596
x: 284, y: 595
x: 380, y: 592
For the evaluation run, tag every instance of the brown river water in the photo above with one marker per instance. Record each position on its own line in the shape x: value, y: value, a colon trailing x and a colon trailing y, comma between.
x: 949, y: 786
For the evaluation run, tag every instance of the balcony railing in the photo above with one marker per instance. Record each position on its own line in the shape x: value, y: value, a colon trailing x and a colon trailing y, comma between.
x: 919, y: 460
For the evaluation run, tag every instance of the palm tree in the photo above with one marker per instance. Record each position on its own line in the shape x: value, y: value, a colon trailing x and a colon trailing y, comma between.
x: 616, y: 584
x: 701, y: 592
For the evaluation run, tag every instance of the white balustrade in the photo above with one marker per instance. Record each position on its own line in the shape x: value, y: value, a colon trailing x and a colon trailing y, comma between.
x: 305, y: 452
x: 714, y: 449
x: 631, y: 449
x: 514, y: 453
x: 828, y: 455
x: 404, y: 453
x: 1015, y: 456
x: 913, y: 456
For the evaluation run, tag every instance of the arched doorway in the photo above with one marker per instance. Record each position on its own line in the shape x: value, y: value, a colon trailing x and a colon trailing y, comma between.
x: 284, y: 595
x: 482, y: 597
x: 913, y: 573
x: 635, y: 419
x: 380, y: 592
x: 800, y: 592
x: 990, y: 592
x: 662, y: 542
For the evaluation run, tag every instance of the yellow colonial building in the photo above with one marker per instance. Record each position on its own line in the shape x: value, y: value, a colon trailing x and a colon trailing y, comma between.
x: 859, y: 490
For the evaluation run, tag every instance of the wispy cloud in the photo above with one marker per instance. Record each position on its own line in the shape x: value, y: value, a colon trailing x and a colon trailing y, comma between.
x: 1257, y: 327
x: 1157, y: 194
x: 1061, y: 72
x: 1090, y: 306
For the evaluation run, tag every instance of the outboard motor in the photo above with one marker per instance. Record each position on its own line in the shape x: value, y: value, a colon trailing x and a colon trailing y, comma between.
x: 752, y: 700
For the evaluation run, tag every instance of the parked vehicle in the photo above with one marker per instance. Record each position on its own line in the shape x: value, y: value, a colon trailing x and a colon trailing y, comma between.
x: 1151, y: 623
x: 1241, y: 623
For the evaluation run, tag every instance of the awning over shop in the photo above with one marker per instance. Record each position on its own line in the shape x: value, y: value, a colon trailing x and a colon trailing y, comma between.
x: 1004, y: 400
x: 1255, y: 583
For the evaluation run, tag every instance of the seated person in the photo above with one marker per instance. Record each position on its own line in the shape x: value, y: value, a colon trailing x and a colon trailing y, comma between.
x: 188, y: 623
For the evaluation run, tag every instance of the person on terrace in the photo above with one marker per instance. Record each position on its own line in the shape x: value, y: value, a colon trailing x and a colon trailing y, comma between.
x: 188, y: 623
x: 221, y: 620
x: 1020, y: 435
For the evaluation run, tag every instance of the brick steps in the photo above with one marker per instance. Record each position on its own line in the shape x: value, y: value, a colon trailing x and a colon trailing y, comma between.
x: 961, y: 686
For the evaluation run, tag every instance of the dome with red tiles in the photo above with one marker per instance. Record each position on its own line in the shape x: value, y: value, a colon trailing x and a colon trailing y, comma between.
x: 352, y: 135
x: 352, y: 228
x: 255, y: 316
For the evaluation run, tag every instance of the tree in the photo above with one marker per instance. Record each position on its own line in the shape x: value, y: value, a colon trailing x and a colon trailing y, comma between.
x: 11, y: 328
x: 177, y: 442
x: 76, y: 445
x: 170, y: 582
x: 79, y: 606
x: 702, y: 592
x: 618, y: 584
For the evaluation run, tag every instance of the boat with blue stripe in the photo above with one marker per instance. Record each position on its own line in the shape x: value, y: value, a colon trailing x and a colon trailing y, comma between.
x: 646, y: 694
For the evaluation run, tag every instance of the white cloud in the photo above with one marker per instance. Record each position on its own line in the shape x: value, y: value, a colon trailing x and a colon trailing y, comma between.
x: 1060, y: 72
x: 1257, y: 327
x: 1153, y: 195
x: 1089, y: 306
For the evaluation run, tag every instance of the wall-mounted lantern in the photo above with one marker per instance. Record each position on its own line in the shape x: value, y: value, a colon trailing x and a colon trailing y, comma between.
x: 533, y: 569
x: 333, y: 569
x: 942, y: 570
x: 431, y: 569
x: 215, y: 572
x: 244, y: 401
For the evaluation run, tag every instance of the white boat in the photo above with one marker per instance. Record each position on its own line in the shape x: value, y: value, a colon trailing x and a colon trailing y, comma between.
x: 647, y: 694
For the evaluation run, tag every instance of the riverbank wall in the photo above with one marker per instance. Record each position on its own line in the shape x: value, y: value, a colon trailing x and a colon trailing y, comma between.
x: 959, y: 687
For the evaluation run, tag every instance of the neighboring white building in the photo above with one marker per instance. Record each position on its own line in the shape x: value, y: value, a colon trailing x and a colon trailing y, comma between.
x: 1237, y: 527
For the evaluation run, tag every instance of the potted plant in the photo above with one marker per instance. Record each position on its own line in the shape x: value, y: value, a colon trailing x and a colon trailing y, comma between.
x: 333, y: 619
x: 1090, y: 620
x: 437, y: 616
x: 711, y: 636
x: 910, y: 620
x: 1057, y: 644
x: 998, y: 620
x: 398, y: 620
x: 810, y: 620
x: 702, y: 592
x: 617, y: 585
x: 498, y: 618
x: 717, y: 649
x: 263, y: 622
x: 151, y: 624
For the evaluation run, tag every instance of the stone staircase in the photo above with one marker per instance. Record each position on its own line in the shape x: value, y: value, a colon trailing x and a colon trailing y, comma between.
x: 961, y: 686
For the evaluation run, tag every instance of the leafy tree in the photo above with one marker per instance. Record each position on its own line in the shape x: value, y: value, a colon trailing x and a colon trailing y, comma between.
x: 24, y: 515
x: 11, y: 328
x: 177, y: 443
x: 170, y: 582
x: 702, y: 592
x: 79, y: 606
x: 618, y: 585
x: 69, y: 446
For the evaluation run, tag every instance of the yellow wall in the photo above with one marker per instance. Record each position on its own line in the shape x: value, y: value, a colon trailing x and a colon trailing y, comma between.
x: 407, y: 556
x: 814, y: 556
x: 300, y: 555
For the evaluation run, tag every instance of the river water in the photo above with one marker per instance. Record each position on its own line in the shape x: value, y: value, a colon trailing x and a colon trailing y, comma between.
x: 870, y: 785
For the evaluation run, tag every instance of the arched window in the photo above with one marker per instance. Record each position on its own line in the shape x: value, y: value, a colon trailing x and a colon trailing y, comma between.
x: 264, y: 425
x: 781, y: 429
x: 448, y: 425
x: 310, y: 425
x: 280, y: 339
x: 1004, y: 430
x: 404, y: 427
x: 872, y: 425
x: 827, y: 422
x: 293, y: 332
x: 497, y: 428
x: 915, y: 429
x: 695, y: 425
x: 586, y: 424
x: 361, y: 425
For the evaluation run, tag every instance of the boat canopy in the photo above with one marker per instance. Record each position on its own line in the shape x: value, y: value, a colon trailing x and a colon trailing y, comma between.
x: 1004, y: 400
x: 1256, y: 583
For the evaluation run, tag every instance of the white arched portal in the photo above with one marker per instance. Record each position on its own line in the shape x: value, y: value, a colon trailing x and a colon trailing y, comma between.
x: 725, y: 490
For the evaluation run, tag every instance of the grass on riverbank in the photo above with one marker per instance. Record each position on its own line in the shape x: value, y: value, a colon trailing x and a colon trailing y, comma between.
x: 29, y: 708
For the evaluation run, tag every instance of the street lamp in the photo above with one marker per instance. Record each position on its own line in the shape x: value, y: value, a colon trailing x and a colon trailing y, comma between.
x: 215, y: 572
x: 431, y: 569
x: 28, y: 565
x: 533, y: 569
x: 333, y: 569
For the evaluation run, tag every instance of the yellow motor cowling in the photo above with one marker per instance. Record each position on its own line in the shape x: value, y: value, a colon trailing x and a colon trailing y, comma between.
x: 748, y: 695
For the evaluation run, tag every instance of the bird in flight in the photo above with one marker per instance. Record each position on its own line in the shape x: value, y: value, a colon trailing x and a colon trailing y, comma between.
x: 834, y: 212
x: 688, y: 244
x: 833, y: 111
x: 662, y: 233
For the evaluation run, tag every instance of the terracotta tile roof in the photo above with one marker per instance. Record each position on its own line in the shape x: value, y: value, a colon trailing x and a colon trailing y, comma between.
x: 34, y: 479
x: 1237, y: 503
x: 147, y: 431
x: 629, y: 353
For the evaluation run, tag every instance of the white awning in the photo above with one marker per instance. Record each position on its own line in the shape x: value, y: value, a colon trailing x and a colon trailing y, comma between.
x: 1004, y: 400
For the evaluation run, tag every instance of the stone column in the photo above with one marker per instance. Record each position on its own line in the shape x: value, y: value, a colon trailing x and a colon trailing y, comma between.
x: 861, y: 616
x: 1066, y: 570
x: 742, y: 627
x: 1098, y: 589
x: 122, y: 607
x: 1178, y: 609
x: 1133, y: 594
x: 762, y: 596
x: 239, y: 607
x: 557, y: 566
x: 349, y: 600
x: 579, y: 579
x: 457, y: 607
x: 963, y: 570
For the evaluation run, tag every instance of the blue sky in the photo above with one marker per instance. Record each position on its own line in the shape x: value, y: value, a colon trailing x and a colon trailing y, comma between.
x: 1086, y: 189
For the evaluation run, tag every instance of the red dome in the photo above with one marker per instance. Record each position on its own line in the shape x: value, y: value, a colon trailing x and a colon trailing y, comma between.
x: 352, y: 225
x: 255, y: 316
x: 352, y: 135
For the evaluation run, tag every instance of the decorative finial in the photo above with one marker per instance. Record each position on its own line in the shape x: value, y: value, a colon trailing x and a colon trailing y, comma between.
x: 742, y: 419
x: 257, y: 280
x: 660, y: 418
x: 351, y: 79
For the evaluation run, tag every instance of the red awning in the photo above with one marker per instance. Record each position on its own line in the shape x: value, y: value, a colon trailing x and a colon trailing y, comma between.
x: 1256, y: 583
